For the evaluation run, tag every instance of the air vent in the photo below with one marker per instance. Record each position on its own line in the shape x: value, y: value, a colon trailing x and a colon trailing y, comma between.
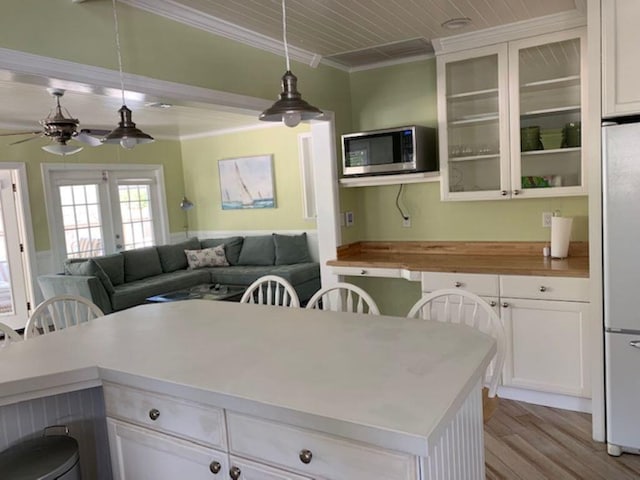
x: 383, y: 53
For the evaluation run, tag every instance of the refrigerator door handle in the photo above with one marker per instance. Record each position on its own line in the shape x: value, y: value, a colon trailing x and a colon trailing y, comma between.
x: 635, y: 343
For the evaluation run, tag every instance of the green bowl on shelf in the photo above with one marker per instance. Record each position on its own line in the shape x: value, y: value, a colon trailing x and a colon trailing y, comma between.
x: 551, y: 138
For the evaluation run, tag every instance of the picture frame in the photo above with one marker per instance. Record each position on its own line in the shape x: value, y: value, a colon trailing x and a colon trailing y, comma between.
x: 247, y: 182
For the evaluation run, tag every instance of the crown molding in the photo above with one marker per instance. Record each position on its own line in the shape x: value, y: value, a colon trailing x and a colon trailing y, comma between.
x: 511, y: 31
x: 194, y: 18
x: 391, y: 63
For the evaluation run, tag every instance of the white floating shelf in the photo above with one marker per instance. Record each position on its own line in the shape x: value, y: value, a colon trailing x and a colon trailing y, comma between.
x: 377, y: 180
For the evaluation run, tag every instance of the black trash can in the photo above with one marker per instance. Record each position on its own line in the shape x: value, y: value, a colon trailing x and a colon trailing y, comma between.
x: 53, y: 457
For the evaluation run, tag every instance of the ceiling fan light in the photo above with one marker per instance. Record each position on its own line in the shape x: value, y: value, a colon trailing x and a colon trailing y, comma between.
x: 126, y: 133
x: 61, y: 149
x: 290, y: 108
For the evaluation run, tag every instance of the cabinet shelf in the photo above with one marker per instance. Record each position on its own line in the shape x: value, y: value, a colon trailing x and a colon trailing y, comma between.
x: 474, y: 157
x: 552, y: 111
x: 551, y: 151
x: 490, y: 92
x: 471, y: 119
x: 569, y: 81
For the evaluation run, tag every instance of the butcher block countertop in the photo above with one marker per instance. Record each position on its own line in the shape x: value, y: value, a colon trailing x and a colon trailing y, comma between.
x: 500, y: 258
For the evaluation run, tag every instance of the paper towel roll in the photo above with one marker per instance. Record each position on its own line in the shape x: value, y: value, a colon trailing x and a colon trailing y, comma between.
x: 560, y: 236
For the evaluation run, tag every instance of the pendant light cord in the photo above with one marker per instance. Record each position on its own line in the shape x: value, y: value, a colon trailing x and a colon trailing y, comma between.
x: 115, y: 22
x: 284, y: 34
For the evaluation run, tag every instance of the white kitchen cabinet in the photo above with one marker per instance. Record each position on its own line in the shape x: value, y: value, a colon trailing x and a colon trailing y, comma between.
x: 142, y: 454
x: 547, y: 340
x: 510, y: 119
x: 620, y: 66
x: 243, y: 469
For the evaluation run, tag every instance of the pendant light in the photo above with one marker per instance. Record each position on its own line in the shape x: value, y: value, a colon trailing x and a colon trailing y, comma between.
x: 126, y: 133
x: 290, y: 107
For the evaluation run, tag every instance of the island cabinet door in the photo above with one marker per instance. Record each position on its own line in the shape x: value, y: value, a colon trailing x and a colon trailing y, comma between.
x: 141, y: 454
x: 315, y: 454
x: 243, y: 469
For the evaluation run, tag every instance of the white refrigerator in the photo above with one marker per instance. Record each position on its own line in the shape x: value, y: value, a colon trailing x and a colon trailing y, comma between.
x: 621, y: 269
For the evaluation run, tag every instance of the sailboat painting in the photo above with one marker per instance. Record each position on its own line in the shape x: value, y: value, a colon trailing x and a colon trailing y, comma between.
x: 247, y: 182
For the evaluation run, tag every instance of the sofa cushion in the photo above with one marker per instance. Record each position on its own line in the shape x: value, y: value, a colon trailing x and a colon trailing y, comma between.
x: 135, y: 293
x: 172, y: 257
x: 291, y: 249
x: 246, y: 275
x: 77, y: 266
x: 258, y: 250
x: 141, y: 263
x: 232, y: 247
x: 113, y: 266
x: 207, y: 257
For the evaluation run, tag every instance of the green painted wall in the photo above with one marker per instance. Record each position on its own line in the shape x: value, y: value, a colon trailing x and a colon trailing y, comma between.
x: 404, y: 95
x: 202, y: 183
x: 161, y: 152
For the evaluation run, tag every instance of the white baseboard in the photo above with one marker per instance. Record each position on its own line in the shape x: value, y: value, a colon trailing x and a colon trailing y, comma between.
x: 555, y: 400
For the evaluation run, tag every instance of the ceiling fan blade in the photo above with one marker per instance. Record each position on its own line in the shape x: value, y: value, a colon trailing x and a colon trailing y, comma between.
x: 39, y: 132
x: 91, y: 137
x: 27, y: 139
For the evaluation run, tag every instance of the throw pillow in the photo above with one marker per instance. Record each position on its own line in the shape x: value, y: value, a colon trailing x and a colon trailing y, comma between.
x: 257, y: 251
x: 207, y: 257
x: 113, y: 266
x: 88, y: 268
x: 141, y: 263
x: 172, y: 257
x: 291, y: 249
x: 232, y: 247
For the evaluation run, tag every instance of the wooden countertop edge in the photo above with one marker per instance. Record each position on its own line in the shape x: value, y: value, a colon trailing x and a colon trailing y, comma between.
x: 498, y: 258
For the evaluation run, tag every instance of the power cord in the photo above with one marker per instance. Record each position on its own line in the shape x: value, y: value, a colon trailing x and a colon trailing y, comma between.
x: 405, y: 217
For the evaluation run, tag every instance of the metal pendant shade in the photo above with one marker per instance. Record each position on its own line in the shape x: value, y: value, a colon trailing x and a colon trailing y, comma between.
x: 126, y: 133
x: 290, y: 105
x: 290, y: 108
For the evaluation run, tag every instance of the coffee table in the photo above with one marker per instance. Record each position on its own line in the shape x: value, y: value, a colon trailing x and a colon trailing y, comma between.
x: 206, y: 291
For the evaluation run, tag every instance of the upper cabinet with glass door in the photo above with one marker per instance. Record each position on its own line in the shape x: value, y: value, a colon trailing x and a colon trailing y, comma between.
x: 473, y: 122
x: 510, y: 118
x: 546, y: 99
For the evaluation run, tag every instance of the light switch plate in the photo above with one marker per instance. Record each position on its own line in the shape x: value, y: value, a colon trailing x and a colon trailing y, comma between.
x: 546, y: 219
x: 348, y: 219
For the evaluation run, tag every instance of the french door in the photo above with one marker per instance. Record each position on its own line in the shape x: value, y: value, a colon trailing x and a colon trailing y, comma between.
x: 13, y: 286
x: 100, y: 211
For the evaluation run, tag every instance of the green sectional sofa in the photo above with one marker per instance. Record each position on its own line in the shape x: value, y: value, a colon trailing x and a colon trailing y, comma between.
x: 125, y: 279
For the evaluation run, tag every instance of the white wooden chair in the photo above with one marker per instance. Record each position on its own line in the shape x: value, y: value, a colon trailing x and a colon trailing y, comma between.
x: 271, y: 290
x: 460, y: 306
x: 8, y: 335
x: 343, y: 297
x: 57, y: 313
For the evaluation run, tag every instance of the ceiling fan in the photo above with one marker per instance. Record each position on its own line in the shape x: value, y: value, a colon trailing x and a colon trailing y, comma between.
x: 61, y: 129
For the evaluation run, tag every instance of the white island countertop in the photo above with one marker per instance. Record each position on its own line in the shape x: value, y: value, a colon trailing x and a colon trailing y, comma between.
x: 387, y: 381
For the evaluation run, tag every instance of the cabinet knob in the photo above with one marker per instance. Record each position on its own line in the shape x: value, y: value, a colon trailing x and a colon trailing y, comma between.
x: 503, y: 193
x: 457, y: 284
x: 516, y: 192
x: 305, y: 456
x: 542, y: 288
x: 492, y: 303
x: 505, y: 304
x: 154, y: 413
x: 235, y: 473
x: 363, y: 272
x: 215, y: 467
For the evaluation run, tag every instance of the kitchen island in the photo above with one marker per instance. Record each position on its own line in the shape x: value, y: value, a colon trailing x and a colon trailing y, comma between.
x: 351, y: 396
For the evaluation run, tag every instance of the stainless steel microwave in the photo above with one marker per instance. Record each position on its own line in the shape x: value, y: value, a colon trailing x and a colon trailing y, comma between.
x: 393, y: 150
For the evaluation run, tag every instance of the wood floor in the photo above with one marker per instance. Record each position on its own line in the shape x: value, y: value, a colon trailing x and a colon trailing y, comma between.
x: 530, y: 442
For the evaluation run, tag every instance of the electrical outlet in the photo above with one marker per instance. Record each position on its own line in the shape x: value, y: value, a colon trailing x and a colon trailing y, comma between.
x: 406, y: 221
x: 546, y: 219
x: 348, y: 219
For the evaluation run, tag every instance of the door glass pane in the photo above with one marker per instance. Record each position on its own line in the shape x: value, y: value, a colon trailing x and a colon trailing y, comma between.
x: 81, y: 220
x: 550, y: 110
x: 473, y: 127
x: 137, y: 219
x: 6, y: 298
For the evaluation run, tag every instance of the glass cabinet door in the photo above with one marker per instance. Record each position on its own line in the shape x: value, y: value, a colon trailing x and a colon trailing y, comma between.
x: 473, y: 150
x: 546, y: 112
